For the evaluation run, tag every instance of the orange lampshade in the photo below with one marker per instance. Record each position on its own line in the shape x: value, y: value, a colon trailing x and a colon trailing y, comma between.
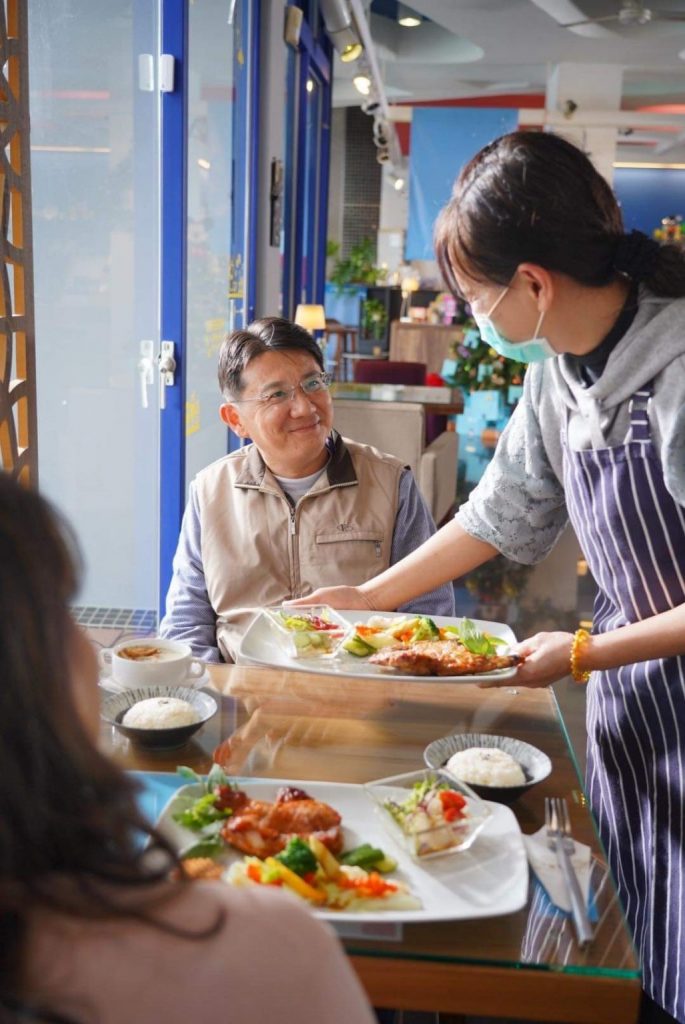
x: 312, y: 318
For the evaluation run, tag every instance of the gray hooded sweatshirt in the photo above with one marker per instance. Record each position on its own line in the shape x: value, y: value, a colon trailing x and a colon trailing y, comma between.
x: 519, y: 505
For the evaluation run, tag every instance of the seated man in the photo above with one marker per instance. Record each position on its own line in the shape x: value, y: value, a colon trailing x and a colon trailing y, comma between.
x: 297, y: 509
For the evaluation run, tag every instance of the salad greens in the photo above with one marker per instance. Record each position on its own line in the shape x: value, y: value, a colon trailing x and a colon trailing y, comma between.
x: 473, y: 639
x: 417, y: 797
x: 203, y: 814
x: 379, y: 632
x: 208, y: 846
x: 311, y: 633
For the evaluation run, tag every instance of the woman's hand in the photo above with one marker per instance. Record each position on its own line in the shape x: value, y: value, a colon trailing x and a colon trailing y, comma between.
x: 547, y: 659
x: 337, y: 597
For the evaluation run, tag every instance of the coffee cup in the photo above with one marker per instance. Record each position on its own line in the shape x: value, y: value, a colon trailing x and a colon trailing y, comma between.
x: 150, y: 661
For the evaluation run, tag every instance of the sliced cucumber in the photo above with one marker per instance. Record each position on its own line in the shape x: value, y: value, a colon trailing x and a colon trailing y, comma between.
x: 355, y: 645
x: 377, y: 641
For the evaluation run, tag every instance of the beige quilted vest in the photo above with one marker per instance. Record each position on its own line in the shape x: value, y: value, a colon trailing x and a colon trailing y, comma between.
x: 258, y: 550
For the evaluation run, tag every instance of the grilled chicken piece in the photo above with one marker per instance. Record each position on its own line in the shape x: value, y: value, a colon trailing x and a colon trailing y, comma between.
x: 440, y: 658
x: 200, y: 867
x: 261, y: 829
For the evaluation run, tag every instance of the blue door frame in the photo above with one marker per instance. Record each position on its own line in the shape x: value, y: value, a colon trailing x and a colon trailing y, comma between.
x: 173, y: 261
x: 172, y: 285
x: 311, y: 61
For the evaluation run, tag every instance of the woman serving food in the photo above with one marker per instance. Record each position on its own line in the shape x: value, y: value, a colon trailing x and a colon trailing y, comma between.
x: 533, y: 239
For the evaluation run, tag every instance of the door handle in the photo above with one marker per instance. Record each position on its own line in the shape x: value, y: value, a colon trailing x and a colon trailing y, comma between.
x: 234, y: 310
x: 145, y: 370
x: 167, y: 365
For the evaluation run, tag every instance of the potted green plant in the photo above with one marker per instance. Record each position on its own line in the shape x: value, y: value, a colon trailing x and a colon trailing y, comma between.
x: 374, y: 320
x: 358, y: 268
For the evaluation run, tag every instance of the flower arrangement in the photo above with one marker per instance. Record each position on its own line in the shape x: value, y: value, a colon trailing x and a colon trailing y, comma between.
x: 480, y: 368
x: 671, y: 230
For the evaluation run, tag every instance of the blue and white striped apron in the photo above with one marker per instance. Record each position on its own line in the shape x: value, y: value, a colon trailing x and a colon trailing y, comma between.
x: 633, y: 535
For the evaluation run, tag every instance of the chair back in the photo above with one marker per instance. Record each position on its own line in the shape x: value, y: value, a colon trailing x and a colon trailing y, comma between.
x: 379, y: 371
x: 399, y: 428
x: 382, y: 371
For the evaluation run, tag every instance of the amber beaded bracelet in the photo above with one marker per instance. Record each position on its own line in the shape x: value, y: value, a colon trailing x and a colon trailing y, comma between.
x: 580, y: 639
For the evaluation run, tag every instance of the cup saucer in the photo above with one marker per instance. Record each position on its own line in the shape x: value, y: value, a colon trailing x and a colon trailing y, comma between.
x: 112, y: 685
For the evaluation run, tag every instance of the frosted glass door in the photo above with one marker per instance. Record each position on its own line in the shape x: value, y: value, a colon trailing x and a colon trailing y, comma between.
x: 219, y: 286
x: 95, y: 133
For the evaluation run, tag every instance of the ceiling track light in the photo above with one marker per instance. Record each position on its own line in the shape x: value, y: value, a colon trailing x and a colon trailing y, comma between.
x: 381, y: 134
x: 362, y: 83
x: 377, y: 104
x: 341, y: 29
x: 371, y: 105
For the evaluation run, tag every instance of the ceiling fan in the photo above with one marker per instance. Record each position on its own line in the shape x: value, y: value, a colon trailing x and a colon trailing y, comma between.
x: 631, y: 12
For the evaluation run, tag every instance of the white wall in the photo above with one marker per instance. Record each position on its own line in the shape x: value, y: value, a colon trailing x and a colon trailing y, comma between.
x: 336, y: 188
x: 272, y: 88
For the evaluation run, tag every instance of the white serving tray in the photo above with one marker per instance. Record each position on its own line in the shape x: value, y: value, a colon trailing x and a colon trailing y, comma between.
x: 487, y: 880
x: 260, y: 646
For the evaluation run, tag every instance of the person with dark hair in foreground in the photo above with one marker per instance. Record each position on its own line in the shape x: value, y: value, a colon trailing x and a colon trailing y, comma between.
x: 533, y: 239
x: 92, y: 929
x: 299, y: 508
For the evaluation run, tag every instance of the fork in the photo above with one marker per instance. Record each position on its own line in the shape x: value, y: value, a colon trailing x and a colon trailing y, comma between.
x: 559, y: 839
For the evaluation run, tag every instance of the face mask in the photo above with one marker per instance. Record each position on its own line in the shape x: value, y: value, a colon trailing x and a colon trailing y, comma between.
x: 533, y: 351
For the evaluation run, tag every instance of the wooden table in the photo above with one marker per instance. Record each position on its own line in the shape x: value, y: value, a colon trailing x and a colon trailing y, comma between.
x: 295, y: 725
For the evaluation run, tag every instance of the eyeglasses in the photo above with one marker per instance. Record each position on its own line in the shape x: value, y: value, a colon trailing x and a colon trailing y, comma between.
x: 310, y: 386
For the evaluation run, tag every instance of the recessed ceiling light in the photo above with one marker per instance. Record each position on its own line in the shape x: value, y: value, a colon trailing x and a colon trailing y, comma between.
x: 407, y: 18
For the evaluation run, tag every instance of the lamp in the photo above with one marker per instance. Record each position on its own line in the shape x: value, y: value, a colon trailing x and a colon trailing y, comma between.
x: 409, y: 285
x: 312, y: 318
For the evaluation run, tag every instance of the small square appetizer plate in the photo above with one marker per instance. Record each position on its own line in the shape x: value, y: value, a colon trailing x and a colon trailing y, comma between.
x: 429, y: 813
x: 308, y: 631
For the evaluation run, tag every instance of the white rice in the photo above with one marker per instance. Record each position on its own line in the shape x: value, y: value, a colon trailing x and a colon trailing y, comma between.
x: 486, y: 766
x: 161, y: 713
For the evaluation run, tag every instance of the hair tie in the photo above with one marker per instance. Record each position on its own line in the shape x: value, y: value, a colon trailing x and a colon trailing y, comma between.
x: 636, y: 255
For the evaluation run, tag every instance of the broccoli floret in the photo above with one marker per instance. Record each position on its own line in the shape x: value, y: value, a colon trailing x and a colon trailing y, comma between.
x: 426, y: 629
x: 298, y: 857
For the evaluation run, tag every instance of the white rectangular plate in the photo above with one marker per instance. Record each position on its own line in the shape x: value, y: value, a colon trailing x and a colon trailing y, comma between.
x: 260, y: 646
x: 487, y: 880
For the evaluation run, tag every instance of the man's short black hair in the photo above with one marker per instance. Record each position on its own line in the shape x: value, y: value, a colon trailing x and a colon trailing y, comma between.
x: 268, y: 334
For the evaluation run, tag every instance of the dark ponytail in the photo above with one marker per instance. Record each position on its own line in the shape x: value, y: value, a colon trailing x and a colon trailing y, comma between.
x: 534, y: 197
x: 668, y: 276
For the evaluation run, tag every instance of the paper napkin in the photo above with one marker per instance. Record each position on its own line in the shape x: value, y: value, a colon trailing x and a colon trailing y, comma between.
x: 543, y: 861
